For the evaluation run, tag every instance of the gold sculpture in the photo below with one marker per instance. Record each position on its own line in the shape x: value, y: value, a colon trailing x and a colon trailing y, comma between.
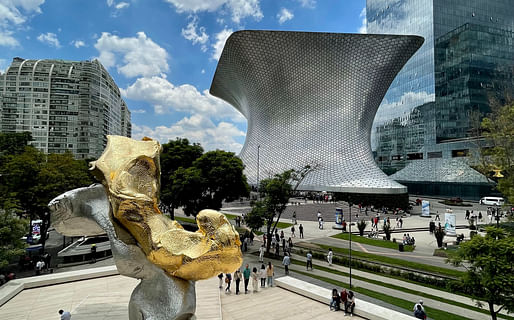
x: 130, y: 172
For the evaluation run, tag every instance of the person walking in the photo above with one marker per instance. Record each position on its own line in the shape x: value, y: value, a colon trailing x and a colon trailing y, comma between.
x: 228, y: 281
x: 330, y: 255
x: 237, y: 279
x: 220, y: 277
x: 255, y: 280
x: 301, y: 231
x: 261, y: 253
x: 93, y: 253
x: 309, y: 260
x: 262, y: 274
x: 292, y: 232
x: 269, y: 274
x: 246, y: 277
x: 286, y: 262
x: 65, y: 315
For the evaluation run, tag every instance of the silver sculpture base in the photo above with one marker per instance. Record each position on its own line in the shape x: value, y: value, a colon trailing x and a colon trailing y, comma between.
x: 158, y: 296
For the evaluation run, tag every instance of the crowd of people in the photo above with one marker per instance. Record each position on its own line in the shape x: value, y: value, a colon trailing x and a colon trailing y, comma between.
x: 260, y: 277
x: 346, y: 299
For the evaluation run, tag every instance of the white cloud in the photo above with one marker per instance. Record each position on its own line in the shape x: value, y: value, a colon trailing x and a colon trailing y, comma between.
x: 110, y: 3
x: 403, y: 106
x: 138, y: 111
x: 166, y: 98
x: 311, y: 4
x: 122, y: 5
x: 284, y: 15
x: 50, y: 39
x: 221, y: 38
x: 3, y: 65
x: 191, y: 33
x: 239, y: 9
x: 203, y: 71
x: 13, y: 14
x: 196, y: 128
x: 78, y: 43
x: 363, y: 27
x: 140, y: 55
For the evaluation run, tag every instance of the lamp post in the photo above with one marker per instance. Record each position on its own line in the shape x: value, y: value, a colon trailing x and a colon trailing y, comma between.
x: 258, y: 164
x: 350, y: 210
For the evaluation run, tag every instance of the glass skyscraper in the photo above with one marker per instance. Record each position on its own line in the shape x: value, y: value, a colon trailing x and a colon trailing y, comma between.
x: 466, y: 62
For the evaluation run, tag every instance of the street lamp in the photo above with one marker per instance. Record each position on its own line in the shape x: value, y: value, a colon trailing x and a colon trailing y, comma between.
x: 350, y: 210
x: 258, y: 164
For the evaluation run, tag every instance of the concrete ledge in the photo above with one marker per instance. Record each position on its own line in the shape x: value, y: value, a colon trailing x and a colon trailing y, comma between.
x: 362, y: 308
x: 13, y: 287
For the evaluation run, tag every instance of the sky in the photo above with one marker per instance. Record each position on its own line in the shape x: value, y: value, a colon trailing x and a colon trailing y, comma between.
x: 162, y: 54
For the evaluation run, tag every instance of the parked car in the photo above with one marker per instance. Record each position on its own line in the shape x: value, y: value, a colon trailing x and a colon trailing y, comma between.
x: 492, y: 201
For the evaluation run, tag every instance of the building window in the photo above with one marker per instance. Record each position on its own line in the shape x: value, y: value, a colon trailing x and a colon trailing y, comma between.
x: 434, y: 155
x: 460, y: 153
x: 415, y: 156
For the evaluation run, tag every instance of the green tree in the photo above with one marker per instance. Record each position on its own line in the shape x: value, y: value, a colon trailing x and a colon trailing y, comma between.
x: 176, y: 154
x: 498, y: 131
x: 14, y: 143
x: 12, y: 229
x: 489, y: 261
x: 275, y: 193
x: 195, y: 180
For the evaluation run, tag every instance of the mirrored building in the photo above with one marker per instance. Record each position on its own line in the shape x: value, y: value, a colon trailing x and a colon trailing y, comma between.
x: 66, y: 105
x: 466, y: 63
x: 310, y: 99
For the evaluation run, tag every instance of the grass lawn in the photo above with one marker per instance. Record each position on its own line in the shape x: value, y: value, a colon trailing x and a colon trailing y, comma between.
x: 396, y: 262
x: 230, y: 216
x: 183, y: 219
x: 403, y: 289
x: 372, y: 242
x: 404, y: 304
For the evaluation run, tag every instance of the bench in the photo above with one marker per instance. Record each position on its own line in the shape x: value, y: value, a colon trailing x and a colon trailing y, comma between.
x: 362, y: 309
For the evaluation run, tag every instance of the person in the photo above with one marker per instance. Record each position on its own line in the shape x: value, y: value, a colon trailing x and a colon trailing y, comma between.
x: 263, y: 275
x: 330, y: 255
x: 277, y: 249
x: 93, y: 253
x: 65, y: 315
x: 292, y: 232
x: 301, y: 231
x: 237, y: 279
x: 286, y: 262
x: 480, y: 216
x: 335, y: 303
x: 350, y: 303
x: 289, y: 244
x: 321, y: 223
x: 261, y: 253
x: 420, y: 303
x: 282, y: 236
x: 401, y: 222
x: 309, y: 259
x: 431, y: 227
x: 228, y: 281
x: 419, y: 313
x: 246, y: 277
x: 39, y: 267
x: 269, y: 274
x: 344, y: 298
x: 294, y: 218
x: 220, y: 277
x: 251, y: 238
x: 46, y: 260
x: 437, y: 216
x: 255, y: 280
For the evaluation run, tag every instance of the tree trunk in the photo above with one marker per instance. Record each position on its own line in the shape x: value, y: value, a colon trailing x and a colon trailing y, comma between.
x: 172, y: 213
x: 491, y: 310
x: 268, y: 237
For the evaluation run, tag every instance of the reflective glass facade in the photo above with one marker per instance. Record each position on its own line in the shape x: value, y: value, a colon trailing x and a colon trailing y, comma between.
x: 431, y: 99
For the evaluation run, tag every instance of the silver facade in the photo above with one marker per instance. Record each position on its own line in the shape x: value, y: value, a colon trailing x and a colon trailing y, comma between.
x: 310, y: 99
x: 66, y: 105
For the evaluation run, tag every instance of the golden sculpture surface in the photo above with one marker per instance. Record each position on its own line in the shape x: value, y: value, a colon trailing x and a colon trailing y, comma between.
x: 130, y: 172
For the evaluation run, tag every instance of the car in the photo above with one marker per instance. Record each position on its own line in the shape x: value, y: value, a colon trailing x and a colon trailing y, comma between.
x: 492, y: 201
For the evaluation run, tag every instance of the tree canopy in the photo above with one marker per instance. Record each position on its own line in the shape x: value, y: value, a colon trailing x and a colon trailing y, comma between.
x: 195, y: 180
x: 12, y: 229
x: 489, y: 261
x: 498, y: 130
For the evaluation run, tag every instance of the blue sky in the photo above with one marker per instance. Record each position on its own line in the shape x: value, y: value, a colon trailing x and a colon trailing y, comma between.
x: 163, y: 53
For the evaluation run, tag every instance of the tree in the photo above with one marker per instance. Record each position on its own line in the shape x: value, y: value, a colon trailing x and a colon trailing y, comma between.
x: 498, y: 153
x: 12, y: 229
x: 275, y: 193
x: 31, y: 179
x: 489, y: 261
x: 14, y: 143
x: 196, y: 181
x: 176, y: 154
